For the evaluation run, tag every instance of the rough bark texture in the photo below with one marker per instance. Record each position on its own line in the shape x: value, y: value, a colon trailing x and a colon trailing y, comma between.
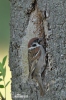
x: 54, y: 80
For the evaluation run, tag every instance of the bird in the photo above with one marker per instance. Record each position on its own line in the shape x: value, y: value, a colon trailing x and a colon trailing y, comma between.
x: 36, y: 59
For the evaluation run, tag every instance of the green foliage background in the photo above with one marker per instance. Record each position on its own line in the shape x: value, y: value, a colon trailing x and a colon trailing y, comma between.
x: 4, y: 23
x: 4, y: 41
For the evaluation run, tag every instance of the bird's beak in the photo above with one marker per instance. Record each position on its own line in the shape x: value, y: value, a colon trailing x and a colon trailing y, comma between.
x: 40, y: 39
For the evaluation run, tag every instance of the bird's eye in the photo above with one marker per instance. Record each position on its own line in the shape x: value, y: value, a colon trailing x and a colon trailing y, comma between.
x: 33, y: 45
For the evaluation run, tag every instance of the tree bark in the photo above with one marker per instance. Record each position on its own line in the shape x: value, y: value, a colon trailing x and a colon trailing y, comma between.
x: 30, y: 19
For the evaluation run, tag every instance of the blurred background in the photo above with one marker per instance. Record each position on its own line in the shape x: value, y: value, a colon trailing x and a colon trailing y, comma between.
x: 4, y: 41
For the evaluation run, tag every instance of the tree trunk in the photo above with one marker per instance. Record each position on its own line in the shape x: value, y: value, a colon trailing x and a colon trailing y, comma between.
x: 44, y: 20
